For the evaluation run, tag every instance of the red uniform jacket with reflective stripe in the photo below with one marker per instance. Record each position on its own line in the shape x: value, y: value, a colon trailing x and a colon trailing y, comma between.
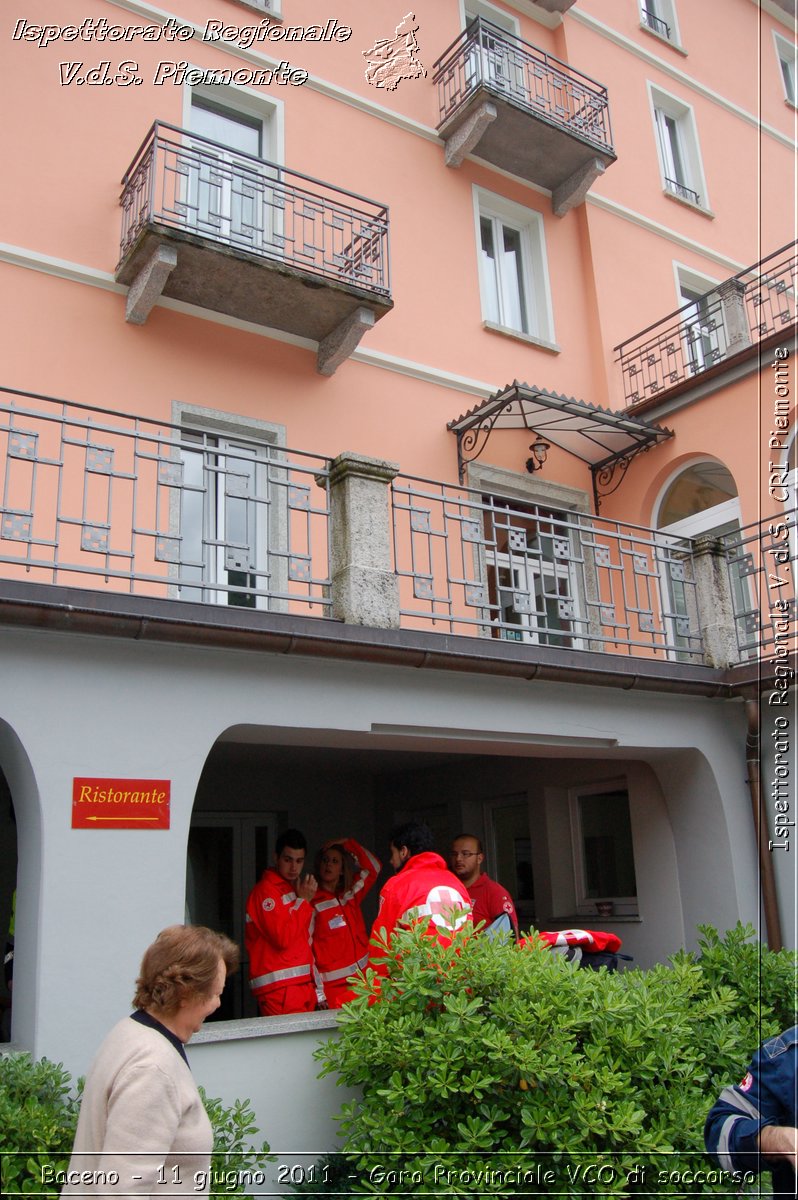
x: 423, y: 890
x: 277, y: 934
x: 340, y: 941
x: 490, y: 900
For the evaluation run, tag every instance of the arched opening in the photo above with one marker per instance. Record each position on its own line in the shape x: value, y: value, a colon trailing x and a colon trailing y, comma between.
x: 535, y: 811
x: 20, y: 872
x: 702, y: 499
x: 8, y: 895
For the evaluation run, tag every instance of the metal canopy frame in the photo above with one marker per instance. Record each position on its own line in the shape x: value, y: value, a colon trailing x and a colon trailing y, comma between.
x: 605, y: 440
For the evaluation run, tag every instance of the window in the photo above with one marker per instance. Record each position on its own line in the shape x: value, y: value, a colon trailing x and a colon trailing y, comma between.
x: 531, y: 579
x: 786, y: 52
x: 702, y: 501
x: 659, y: 16
x: 677, y: 144
x: 528, y: 557
x: 603, y: 847
x: 229, y: 192
x: 702, y: 328
x: 224, y: 521
x: 228, y: 511
x: 512, y: 268
x: 496, y: 62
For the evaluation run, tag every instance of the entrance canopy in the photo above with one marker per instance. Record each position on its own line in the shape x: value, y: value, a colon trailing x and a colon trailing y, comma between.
x: 605, y: 440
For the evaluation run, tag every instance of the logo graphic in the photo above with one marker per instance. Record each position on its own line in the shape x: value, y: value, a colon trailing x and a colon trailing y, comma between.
x: 268, y: 904
x: 390, y: 60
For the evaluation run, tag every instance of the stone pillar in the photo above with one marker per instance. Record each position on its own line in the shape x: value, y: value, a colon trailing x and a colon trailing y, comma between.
x: 713, y: 599
x: 735, y: 319
x: 365, y: 589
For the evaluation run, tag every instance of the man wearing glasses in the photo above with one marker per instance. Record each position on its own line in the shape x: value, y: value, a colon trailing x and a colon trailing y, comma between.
x: 489, y: 899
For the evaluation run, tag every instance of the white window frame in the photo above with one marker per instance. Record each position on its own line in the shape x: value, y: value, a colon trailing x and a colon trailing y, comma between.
x: 499, y: 64
x: 699, y: 341
x: 787, y: 56
x: 489, y: 12
x: 702, y: 523
x: 270, y: 8
x: 586, y: 905
x: 529, y: 225
x: 251, y: 105
x: 673, y: 119
x: 232, y: 431
x: 557, y: 498
x: 664, y: 10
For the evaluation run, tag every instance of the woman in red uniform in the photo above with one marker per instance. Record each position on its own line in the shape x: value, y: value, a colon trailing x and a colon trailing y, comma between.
x: 346, y: 872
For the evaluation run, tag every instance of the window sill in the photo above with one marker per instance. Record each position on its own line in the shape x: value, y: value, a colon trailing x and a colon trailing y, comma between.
x: 258, y: 1027
x: 581, y: 920
x: 529, y: 338
x: 267, y: 8
x: 696, y: 208
x: 666, y: 41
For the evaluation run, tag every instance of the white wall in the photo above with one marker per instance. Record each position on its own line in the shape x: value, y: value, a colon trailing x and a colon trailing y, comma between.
x: 272, y: 1066
x: 89, y: 902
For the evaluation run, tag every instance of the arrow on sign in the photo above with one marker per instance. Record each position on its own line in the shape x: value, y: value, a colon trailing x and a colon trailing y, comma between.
x: 121, y: 818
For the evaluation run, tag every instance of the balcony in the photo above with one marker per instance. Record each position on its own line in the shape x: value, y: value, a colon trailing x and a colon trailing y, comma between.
x: 248, y: 238
x: 148, y: 521
x: 702, y: 337
x: 524, y: 111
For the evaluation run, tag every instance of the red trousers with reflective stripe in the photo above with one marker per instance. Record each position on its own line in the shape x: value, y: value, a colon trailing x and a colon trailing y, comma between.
x: 293, y: 998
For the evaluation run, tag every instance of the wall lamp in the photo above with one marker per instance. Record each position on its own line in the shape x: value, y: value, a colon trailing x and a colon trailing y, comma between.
x: 539, y: 449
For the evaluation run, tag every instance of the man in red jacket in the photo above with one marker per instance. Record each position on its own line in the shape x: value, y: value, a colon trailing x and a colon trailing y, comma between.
x: 277, y: 932
x: 421, y: 890
x: 489, y: 898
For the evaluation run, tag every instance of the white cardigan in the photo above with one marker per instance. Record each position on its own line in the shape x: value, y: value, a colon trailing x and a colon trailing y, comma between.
x: 142, y: 1117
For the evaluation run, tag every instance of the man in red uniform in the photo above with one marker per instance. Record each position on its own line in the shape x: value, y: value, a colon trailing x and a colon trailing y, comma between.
x: 490, y: 900
x: 421, y: 890
x: 277, y: 932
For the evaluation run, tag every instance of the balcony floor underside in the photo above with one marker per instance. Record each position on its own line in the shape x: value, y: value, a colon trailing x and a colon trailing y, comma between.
x: 527, y: 144
x: 53, y: 607
x: 224, y: 279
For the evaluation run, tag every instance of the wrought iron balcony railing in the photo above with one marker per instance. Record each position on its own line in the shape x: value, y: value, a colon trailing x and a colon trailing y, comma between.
x: 745, y: 310
x: 96, y: 499
x: 682, y: 191
x: 492, y: 567
x: 113, y: 503
x: 656, y: 24
x: 184, y: 182
x: 484, y: 56
x: 762, y: 562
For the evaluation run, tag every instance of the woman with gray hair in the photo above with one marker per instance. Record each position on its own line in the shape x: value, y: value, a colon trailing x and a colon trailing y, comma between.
x: 142, y: 1127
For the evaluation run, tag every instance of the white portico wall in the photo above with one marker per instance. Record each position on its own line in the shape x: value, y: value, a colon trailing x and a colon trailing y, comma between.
x: 90, y: 901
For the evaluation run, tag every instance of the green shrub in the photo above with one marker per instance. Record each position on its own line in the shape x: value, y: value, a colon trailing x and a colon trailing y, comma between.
x: 38, y: 1116
x: 493, y: 1061
x: 234, y: 1153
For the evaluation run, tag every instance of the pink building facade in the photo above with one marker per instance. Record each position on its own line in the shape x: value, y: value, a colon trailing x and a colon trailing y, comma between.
x: 397, y: 418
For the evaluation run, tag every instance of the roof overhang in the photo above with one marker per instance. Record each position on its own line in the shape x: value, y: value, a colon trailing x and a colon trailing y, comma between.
x: 606, y: 441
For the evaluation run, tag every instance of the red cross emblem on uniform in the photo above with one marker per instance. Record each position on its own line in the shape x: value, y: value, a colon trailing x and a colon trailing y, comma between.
x: 447, y: 908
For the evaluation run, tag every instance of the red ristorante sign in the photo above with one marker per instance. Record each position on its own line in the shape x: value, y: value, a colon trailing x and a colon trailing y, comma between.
x: 120, y: 803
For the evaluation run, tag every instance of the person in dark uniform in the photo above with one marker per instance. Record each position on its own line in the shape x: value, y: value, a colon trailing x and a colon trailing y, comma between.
x: 752, y: 1126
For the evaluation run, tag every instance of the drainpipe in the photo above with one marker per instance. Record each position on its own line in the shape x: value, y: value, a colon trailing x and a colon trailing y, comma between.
x: 767, y: 881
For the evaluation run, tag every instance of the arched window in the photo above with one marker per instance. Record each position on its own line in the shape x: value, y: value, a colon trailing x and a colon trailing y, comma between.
x: 701, y: 499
